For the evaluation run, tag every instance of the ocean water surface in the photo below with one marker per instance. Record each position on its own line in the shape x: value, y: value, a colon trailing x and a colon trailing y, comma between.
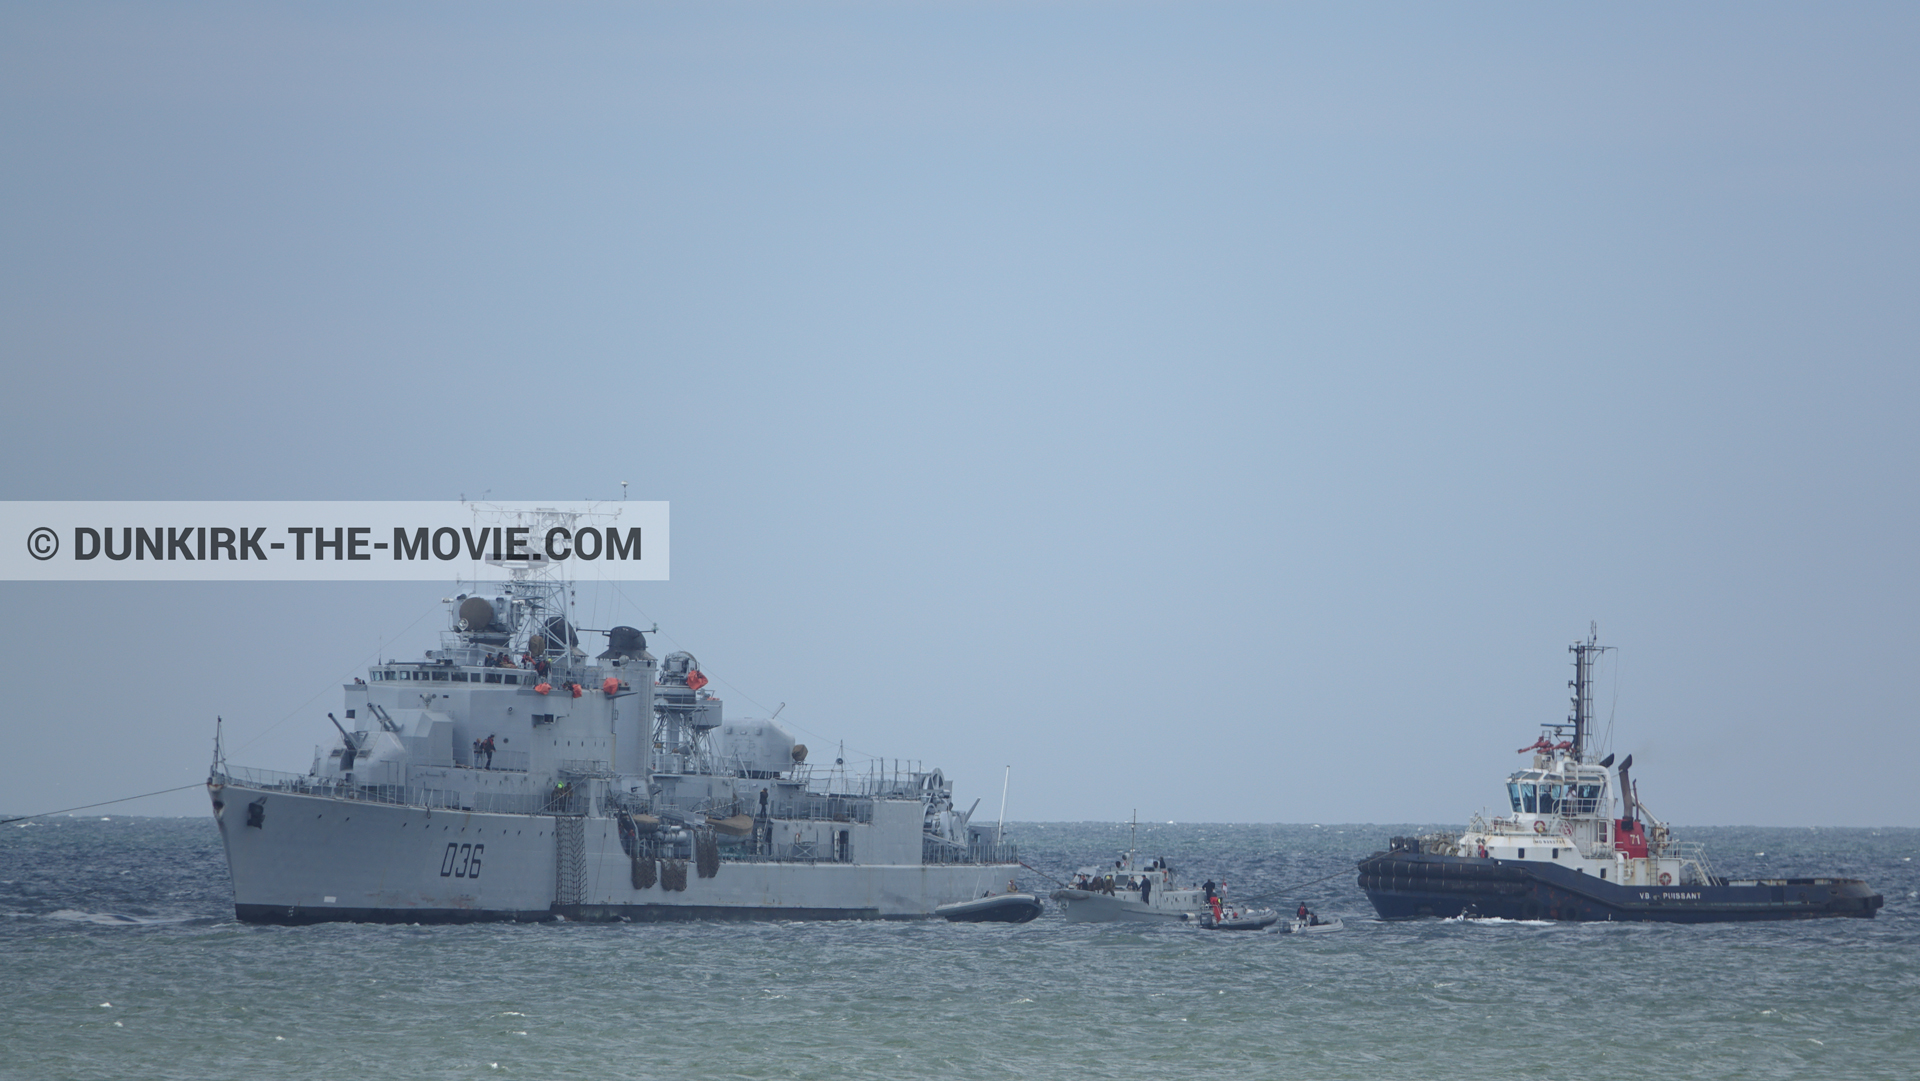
x: 122, y: 960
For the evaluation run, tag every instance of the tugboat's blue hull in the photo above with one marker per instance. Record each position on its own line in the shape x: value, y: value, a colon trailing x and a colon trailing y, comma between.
x: 1406, y: 885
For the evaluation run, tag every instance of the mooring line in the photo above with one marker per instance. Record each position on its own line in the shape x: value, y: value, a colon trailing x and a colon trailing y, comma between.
x: 90, y: 806
x: 1039, y: 872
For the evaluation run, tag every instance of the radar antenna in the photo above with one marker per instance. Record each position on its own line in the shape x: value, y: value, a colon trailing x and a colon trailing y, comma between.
x: 1584, y: 654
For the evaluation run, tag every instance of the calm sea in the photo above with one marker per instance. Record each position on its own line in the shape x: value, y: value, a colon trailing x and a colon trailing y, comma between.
x: 122, y: 960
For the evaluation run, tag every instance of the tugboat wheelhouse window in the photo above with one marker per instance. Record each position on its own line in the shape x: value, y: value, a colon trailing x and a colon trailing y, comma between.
x: 1587, y: 800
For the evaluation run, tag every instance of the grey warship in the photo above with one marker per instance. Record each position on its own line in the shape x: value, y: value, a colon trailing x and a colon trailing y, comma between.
x: 509, y: 775
x: 1560, y: 853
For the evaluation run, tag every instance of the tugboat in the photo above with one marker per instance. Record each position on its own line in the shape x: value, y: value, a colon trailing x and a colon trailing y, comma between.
x: 1560, y: 853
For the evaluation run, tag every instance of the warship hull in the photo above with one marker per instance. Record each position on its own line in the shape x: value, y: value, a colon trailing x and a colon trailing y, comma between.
x: 1406, y: 885
x: 300, y: 858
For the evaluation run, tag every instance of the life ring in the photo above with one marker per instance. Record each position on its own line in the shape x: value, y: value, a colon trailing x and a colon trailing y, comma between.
x: 1666, y: 879
x: 1566, y: 828
x: 1540, y: 826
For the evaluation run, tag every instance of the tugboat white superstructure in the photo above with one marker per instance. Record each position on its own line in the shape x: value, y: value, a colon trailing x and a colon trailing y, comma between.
x: 1560, y: 852
x: 508, y: 775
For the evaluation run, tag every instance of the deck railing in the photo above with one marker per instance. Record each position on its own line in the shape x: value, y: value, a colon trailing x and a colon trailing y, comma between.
x: 569, y: 801
x: 936, y: 849
x: 824, y: 808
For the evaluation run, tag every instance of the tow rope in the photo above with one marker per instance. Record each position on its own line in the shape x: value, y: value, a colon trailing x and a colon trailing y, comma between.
x: 90, y: 806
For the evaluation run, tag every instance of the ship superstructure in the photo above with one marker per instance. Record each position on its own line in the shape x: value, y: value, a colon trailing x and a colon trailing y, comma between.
x: 509, y: 774
x: 1560, y: 851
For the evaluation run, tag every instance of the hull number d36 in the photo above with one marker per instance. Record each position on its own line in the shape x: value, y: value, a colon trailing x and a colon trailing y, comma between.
x: 461, y: 861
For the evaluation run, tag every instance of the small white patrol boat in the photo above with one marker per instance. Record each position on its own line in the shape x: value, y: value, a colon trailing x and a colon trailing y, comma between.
x: 1126, y: 892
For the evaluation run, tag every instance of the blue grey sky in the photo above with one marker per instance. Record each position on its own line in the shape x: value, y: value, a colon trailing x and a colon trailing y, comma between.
x: 1226, y: 411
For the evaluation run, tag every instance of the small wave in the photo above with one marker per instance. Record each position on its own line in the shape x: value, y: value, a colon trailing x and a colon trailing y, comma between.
x: 1498, y: 920
x: 115, y: 919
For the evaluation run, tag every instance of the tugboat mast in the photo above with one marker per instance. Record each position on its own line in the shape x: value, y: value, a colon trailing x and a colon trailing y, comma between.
x: 1584, y: 654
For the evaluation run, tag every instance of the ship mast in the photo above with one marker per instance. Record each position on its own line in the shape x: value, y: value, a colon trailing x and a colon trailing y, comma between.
x: 1584, y: 654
